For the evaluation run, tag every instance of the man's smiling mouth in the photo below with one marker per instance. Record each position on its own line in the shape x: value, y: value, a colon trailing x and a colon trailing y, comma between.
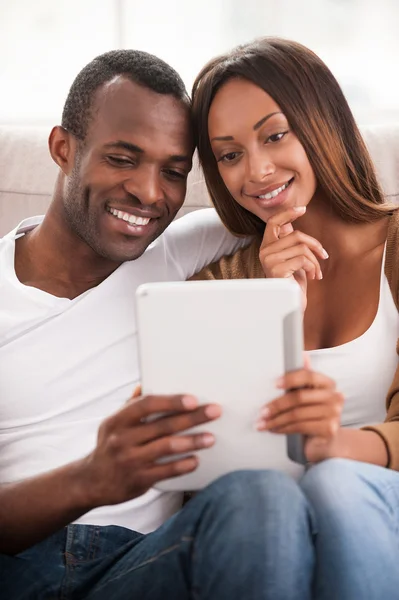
x: 124, y: 216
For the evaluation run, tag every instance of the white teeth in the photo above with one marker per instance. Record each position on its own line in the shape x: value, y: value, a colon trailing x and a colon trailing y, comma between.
x: 132, y: 219
x: 274, y: 193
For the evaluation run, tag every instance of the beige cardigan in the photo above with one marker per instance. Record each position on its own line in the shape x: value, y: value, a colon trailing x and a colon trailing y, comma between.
x: 245, y: 264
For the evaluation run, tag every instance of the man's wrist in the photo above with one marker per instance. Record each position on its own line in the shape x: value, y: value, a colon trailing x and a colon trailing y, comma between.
x: 82, y: 493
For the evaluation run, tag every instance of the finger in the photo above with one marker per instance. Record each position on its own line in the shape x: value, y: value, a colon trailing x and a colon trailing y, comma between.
x: 271, y: 262
x: 286, y: 230
x: 137, y: 392
x: 292, y: 239
x: 291, y: 267
x: 317, y: 427
x: 300, y: 414
x: 274, y: 224
x: 177, y: 444
x: 149, y: 406
x: 304, y: 378
x: 300, y: 398
x: 168, y: 426
x: 156, y: 473
x: 306, y: 361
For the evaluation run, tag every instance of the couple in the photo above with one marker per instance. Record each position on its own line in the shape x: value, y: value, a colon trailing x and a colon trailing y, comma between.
x: 292, y: 182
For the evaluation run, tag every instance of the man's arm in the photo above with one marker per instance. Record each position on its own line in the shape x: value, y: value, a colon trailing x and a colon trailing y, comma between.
x: 197, y: 240
x: 33, y: 509
x: 123, y: 466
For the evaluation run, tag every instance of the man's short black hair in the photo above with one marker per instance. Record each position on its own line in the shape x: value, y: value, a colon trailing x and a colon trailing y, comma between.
x: 140, y: 67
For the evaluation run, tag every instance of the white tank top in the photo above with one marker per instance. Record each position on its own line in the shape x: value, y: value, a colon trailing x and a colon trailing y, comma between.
x: 363, y: 369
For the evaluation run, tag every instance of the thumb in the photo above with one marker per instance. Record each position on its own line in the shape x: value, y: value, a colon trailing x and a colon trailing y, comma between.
x: 136, y: 394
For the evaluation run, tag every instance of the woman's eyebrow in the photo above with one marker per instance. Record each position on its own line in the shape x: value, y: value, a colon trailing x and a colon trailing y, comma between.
x: 264, y: 119
x: 230, y: 138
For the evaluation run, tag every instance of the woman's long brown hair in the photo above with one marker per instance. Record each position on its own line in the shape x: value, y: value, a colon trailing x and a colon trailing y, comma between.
x: 319, y: 115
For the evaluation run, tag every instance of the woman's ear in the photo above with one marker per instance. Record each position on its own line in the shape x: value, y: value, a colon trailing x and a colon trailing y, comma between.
x: 62, y: 146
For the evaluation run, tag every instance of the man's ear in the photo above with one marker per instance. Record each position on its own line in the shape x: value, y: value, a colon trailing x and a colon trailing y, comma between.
x: 62, y: 146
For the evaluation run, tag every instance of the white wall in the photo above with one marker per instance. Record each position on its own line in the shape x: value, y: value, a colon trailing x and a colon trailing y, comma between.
x: 44, y: 43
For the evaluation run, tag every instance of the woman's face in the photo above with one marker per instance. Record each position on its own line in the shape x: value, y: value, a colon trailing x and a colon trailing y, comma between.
x: 261, y: 161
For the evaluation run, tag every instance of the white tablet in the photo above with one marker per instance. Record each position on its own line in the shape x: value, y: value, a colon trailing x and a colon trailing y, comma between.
x: 225, y: 342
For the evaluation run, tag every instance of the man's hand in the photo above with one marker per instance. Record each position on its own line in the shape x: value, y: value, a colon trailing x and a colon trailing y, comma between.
x: 122, y: 466
x: 124, y: 463
x: 289, y: 253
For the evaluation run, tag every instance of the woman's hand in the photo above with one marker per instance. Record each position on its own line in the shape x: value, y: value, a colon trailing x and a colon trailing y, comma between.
x: 310, y: 406
x: 289, y: 253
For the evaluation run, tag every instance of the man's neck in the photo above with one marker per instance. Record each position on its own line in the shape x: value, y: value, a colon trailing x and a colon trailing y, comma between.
x: 54, y: 259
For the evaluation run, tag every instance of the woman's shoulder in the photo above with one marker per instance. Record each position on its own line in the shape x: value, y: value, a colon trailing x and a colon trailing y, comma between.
x: 243, y: 264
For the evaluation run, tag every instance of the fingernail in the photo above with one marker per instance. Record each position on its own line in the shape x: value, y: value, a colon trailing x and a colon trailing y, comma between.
x: 189, y: 402
x: 260, y: 425
x: 208, y: 439
x: 320, y: 275
x: 280, y: 382
x: 189, y: 464
x: 325, y: 253
x: 300, y: 209
x: 213, y: 411
x: 265, y: 412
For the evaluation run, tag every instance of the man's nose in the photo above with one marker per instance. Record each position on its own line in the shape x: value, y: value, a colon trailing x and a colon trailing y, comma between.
x: 259, y: 166
x: 145, y: 185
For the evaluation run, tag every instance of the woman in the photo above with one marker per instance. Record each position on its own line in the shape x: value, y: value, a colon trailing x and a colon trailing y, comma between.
x: 284, y: 162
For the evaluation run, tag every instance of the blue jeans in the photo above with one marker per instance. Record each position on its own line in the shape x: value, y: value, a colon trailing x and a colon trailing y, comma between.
x: 248, y: 536
x: 356, y: 508
x: 251, y: 535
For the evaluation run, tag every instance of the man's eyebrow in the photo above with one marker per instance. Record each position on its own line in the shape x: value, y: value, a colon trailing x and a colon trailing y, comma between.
x: 133, y: 148
x: 125, y: 146
x: 230, y: 138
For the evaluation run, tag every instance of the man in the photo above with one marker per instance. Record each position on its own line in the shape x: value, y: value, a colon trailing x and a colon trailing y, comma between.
x: 71, y: 449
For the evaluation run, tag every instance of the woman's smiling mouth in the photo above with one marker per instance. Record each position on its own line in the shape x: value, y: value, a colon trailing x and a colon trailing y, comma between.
x: 273, y: 197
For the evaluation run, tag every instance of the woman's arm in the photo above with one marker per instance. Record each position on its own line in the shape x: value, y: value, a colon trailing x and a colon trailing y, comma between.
x: 354, y: 444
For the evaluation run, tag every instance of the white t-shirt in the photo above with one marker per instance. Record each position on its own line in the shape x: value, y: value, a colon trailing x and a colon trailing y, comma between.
x: 65, y: 365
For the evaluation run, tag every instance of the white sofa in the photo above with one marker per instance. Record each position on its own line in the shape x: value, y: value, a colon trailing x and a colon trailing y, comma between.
x: 27, y: 172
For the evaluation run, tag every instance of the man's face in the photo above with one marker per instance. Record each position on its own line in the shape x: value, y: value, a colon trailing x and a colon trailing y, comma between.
x: 129, y: 176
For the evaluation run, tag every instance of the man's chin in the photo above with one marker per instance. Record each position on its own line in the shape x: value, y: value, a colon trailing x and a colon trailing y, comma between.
x: 121, y: 255
x: 120, y: 247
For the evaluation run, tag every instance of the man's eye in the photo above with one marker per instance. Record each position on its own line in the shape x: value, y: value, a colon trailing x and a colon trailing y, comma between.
x: 120, y: 161
x: 229, y: 157
x: 276, y: 137
x: 175, y: 174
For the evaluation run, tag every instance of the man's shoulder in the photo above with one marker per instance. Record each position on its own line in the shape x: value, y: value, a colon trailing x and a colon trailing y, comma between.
x: 202, y: 220
x: 23, y: 227
x: 195, y: 240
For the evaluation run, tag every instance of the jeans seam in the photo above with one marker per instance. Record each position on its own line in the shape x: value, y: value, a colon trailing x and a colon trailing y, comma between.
x: 392, y: 500
x: 91, y: 553
x: 69, y: 564
x: 183, y: 539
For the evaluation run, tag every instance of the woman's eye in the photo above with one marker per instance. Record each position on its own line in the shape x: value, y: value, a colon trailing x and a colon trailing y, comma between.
x: 276, y: 137
x: 229, y: 157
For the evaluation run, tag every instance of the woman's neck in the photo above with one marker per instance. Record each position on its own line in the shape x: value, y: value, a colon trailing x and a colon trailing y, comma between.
x: 339, y: 237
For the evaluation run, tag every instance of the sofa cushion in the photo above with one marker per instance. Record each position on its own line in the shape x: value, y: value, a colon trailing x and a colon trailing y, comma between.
x: 27, y: 172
